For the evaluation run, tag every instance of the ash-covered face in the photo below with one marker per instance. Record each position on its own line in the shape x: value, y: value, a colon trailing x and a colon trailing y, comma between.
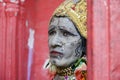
x: 63, y: 42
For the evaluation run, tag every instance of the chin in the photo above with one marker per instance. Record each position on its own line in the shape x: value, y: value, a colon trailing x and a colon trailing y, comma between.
x: 57, y: 62
x: 62, y: 62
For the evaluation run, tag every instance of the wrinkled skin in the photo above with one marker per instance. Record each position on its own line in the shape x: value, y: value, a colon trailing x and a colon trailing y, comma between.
x: 63, y: 41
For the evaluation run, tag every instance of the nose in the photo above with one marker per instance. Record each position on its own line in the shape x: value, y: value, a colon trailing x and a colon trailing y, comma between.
x: 55, y: 41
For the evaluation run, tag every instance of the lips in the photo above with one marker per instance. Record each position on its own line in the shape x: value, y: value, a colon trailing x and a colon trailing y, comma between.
x: 56, y: 55
x: 55, y: 52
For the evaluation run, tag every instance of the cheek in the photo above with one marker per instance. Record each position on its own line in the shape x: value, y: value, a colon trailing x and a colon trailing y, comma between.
x: 50, y: 39
x: 70, y: 47
x: 49, y: 43
x: 74, y: 43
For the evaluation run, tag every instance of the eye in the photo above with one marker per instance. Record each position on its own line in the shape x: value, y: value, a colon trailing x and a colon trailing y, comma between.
x: 66, y: 33
x: 51, y: 32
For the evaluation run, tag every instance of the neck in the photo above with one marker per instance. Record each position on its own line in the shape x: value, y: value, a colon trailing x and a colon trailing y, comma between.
x: 69, y: 70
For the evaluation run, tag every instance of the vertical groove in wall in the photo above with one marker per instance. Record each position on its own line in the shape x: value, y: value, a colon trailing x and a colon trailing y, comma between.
x: 89, y: 40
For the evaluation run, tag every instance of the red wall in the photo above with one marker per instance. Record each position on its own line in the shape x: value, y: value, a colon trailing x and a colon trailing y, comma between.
x: 103, y: 39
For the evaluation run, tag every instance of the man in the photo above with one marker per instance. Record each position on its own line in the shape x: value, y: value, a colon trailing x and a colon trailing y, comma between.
x: 67, y: 41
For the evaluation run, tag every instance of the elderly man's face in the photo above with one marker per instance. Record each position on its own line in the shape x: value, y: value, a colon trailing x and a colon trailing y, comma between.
x: 63, y: 41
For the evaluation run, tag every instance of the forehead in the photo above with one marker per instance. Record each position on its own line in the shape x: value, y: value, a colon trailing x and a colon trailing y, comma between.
x: 62, y: 22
